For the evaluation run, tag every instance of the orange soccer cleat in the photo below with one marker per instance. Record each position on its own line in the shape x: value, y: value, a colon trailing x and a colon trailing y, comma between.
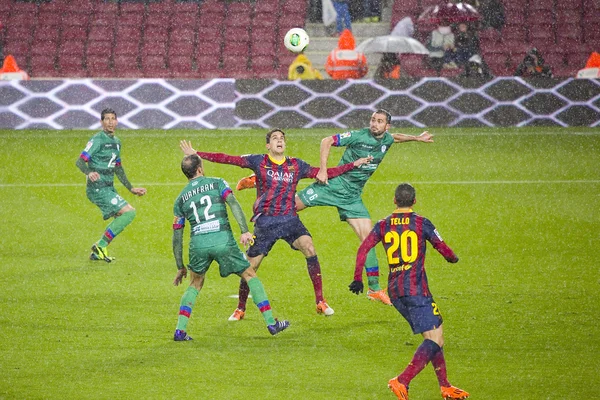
x: 237, y: 315
x: 323, y: 308
x: 379, y: 295
x: 248, y: 182
x: 399, y: 389
x: 452, y: 392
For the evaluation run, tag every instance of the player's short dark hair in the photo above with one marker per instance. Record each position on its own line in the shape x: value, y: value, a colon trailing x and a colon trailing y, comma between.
x: 388, y: 116
x: 405, y: 195
x: 107, y: 111
x: 190, y: 164
x: 271, y: 132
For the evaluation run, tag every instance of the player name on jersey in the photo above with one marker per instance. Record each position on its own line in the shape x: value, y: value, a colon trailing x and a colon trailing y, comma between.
x: 200, y: 189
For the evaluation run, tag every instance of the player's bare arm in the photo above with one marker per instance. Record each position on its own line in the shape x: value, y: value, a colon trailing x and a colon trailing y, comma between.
x: 424, y: 137
x: 326, y: 144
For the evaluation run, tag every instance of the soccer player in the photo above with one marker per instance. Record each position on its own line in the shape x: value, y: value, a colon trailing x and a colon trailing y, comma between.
x: 203, y: 203
x: 345, y: 191
x: 100, y: 161
x: 275, y: 214
x: 405, y: 234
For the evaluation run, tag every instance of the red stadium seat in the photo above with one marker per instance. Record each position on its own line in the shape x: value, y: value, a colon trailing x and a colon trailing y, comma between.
x: 159, y: 19
x: 541, y: 5
x: 266, y: 6
x: 76, y: 19
x: 104, y: 19
x: 154, y: 67
x: 156, y: 33
x: 133, y: 8
x: 99, y: 48
x: 571, y: 31
x: 236, y: 48
x: 182, y: 67
x: 154, y: 48
x: 73, y: 32
x: 235, y: 66
x: 181, y: 48
x: 237, y: 19
x: 236, y: 34
x: 213, y: 7
x: 46, y: 32
x: 125, y: 66
x: 208, y: 66
x: 568, y: 16
x: 128, y: 32
x: 569, y: 5
x: 42, y: 66
x: 72, y: 47
x: 131, y: 18
x: 99, y: 67
x: 101, y: 33
x: 125, y: 47
x: 49, y: 19
x: 514, y: 32
x: 44, y: 48
x: 243, y: 8
x: 262, y: 48
x: 71, y: 66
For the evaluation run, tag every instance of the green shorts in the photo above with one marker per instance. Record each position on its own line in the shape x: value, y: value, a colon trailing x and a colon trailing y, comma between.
x: 336, y: 196
x: 230, y: 258
x: 107, y: 199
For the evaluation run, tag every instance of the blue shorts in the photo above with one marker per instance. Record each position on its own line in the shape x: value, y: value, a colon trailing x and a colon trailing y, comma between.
x: 421, y: 312
x: 268, y: 230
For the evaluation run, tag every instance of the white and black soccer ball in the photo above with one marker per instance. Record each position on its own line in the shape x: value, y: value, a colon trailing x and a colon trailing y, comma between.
x: 296, y: 40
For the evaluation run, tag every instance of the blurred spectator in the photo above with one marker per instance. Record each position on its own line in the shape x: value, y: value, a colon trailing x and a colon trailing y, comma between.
x: 492, y: 14
x: 371, y: 11
x: 389, y: 67
x: 441, y: 48
x: 533, y: 66
x: 466, y: 42
x: 343, y: 16
x: 344, y: 62
x: 476, y: 68
x: 302, y: 68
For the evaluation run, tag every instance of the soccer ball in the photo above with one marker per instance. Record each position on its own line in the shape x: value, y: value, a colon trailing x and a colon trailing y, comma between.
x: 296, y: 40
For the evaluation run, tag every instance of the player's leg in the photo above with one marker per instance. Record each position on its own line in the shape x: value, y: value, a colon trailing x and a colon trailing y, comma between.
x: 362, y: 227
x: 259, y: 296
x: 305, y: 244
x: 438, y: 362
x: 187, y: 304
x: 111, y: 205
x: 244, y: 290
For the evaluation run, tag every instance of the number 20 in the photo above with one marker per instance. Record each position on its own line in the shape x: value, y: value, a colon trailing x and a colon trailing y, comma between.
x: 407, y: 241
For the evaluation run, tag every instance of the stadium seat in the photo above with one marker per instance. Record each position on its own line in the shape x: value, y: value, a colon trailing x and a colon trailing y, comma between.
x: 568, y: 17
x: 44, y: 48
x: 154, y: 67
x: 76, y: 19
x: 107, y: 8
x: 71, y: 66
x: 104, y: 19
x: 540, y: 17
x: 237, y: 19
x: 261, y: 48
x: 236, y: 48
x: 570, y: 31
x: 236, y: 34
x: 266, y: 6
x: 131, y: 18
x: 75, y: 32
x: 239, y: 8
x: 98, y: 66
x: 182, y: 67
x: 42, y: 66
x: 209, y: 48
x: 125, y: 66
x: 515, y: 16
x: 569, y: 5
x: 132, y: 7
x: 126, y: 47
x: 101, y: 33
x: 181, y: 48
x: 158, y: 19
x: 72, y: 47
x: 163, y: 7
x: 153, y: 48
x: 209, y: 34
x: 235, y: 66
x: 208, y: 66
x: 49, y: 19
x: 19, y: 49
x: 128, y: 32
x: 541, y: 5
x: 413, y: 65
x: 46, y: 32
x: 514, y: 32
x: 158, y: 33
x: 263, y: 33
x: 99, y: 48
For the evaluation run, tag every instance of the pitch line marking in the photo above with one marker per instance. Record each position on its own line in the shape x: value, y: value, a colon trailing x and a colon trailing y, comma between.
x: 494, y: 182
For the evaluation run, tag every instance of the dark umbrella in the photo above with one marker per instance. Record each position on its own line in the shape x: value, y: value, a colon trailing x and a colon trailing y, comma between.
x: 449, y: 12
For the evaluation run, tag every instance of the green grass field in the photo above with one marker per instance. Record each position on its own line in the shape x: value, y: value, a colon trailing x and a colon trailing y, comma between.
x: 521, y: 207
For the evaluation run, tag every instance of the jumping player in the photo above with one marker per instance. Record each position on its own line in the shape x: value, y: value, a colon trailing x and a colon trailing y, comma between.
x: 275, y: 214
x: 404, y: 235
x: 345, y: 191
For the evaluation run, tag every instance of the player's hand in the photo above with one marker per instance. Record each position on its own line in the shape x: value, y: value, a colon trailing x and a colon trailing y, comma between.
x: 93, y: 176
x: 356, y: 287
x: 181, y: 273
x: 425, y: 137
x: 247, y: 239
x: 322, y: 176
x: 364, y: 160
x: 138, y: 191
x: 186, y: 147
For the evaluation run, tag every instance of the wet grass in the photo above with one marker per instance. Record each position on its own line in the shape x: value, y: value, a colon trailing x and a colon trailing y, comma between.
x: 521, y: 207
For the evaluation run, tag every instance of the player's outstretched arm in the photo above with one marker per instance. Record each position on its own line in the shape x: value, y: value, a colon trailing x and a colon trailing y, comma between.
x: 424, y: 137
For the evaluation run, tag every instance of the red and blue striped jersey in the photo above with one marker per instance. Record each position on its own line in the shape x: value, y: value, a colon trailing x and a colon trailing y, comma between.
x: 404, y: 236
x: 276, y: 182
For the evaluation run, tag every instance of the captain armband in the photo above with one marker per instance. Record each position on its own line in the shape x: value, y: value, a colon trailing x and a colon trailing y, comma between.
x: 178, y: 222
